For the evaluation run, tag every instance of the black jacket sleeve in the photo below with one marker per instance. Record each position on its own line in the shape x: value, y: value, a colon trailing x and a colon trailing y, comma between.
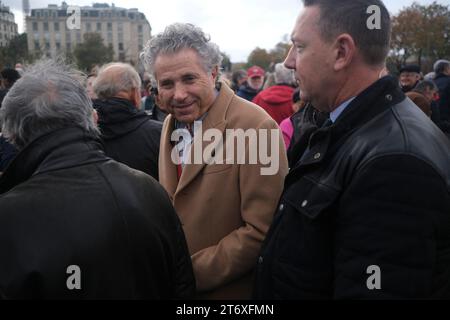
x: 183, y: 273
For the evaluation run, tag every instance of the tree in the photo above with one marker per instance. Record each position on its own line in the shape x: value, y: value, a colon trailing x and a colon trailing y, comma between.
x: 259, y: 57
x: 280, y: 52
x: 421, y: 32
x: 267, y: 60
x: 15, y: 51
x: 436, y: 35
x: 92, y: 51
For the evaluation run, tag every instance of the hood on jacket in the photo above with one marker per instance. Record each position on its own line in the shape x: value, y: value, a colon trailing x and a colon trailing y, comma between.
x: 118, y: 117
x: 279, y: 94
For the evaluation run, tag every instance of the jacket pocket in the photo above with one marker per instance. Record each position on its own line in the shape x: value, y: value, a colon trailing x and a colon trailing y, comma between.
x: 310, y: 197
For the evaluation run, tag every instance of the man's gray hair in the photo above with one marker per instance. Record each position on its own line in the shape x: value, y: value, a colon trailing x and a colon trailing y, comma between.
x: 284, y: 75
x: 114, y: 78
x: 50, y: 96
x: 179, y: 36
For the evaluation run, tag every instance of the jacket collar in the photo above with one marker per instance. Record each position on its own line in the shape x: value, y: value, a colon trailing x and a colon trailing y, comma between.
x: 249, y: 90
x: 376, y: 99
x: 59, y: 149
x: 441, y: 75
x: 216, y: 118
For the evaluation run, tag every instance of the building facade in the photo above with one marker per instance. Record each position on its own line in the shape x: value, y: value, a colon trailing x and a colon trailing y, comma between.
x: 125, y: 30
x: 8, y: 27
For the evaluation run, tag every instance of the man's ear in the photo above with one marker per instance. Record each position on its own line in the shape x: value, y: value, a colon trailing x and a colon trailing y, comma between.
x: 95, y: 116
x: 135, y: 97
x: 345, y: 50
x: 215, y: 73
x: 159, y: 103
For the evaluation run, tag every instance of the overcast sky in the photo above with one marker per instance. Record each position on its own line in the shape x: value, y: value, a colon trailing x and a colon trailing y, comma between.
x: 237, y: 26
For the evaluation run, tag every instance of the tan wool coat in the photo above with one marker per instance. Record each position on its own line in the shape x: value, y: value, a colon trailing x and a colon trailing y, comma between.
x: 225, y: 209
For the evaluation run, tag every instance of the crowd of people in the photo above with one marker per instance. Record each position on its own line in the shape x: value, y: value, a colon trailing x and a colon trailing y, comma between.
x: 93, y: 175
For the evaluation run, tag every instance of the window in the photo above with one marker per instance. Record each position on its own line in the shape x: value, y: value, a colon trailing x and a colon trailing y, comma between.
x: 120, y: 46
x: 120, y: 27
x: 58, y: 36
x: 56, y: 26
x: 68, y: 37
x: 37, y: 46
x: 88, y: 27
x: 47, y: 45
x: 45, y: 26
x: 35, y: 26
x: 99, y: 26
x: 68, y: 46
x: 140, y: 28
x: 109, y: 26
x: 36, y: 36
x: 120, y: 37
x: 110, y: 37
x: 58, y: 46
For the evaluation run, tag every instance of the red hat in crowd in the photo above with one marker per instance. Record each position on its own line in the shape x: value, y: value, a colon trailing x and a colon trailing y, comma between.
x: 255, y: 71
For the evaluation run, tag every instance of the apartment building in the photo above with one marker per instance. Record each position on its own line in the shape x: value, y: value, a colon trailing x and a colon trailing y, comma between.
x: 8, y: 27
x: 125, y: 30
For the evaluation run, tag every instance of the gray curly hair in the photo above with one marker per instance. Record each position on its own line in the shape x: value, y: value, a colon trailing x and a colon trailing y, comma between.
x: 180, y: 36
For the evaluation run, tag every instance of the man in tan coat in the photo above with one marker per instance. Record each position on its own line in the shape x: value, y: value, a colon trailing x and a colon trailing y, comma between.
x: 222, y: 161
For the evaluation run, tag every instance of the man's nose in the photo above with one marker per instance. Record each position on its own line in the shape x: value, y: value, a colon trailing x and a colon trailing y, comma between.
x: 289, y: 62
x: 180, y: 92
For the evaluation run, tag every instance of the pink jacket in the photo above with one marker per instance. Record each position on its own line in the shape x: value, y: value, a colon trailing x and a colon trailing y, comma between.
x: 288, y: 130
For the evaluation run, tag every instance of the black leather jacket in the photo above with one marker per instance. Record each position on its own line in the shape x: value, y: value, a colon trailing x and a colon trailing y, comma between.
x: 373, y: 190
x: 64, y: 203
